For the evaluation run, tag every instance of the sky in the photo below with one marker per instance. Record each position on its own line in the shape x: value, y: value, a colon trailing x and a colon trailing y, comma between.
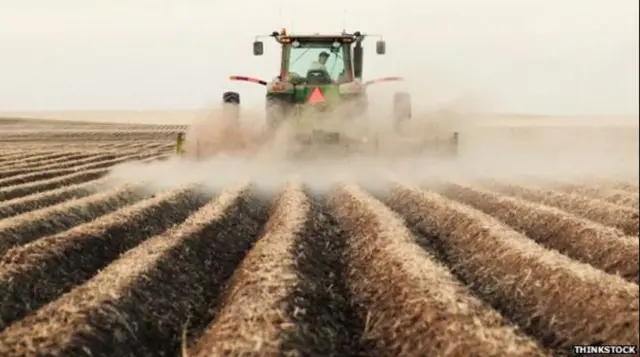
x: 571, y: 57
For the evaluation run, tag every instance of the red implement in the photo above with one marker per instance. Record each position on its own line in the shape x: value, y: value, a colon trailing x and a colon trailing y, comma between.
x: 383, y: 79
x: 248, y: 79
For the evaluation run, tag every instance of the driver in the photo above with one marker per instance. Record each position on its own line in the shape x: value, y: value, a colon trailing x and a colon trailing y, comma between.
x: 320, y: 64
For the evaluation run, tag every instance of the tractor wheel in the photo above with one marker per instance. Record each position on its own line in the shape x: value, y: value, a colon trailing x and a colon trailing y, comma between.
x: 454, y: 144
x: 231, y: 98
x: 276, y: 110
x: 231, y: 105
x: 401, y: 108
x: 359, y: 107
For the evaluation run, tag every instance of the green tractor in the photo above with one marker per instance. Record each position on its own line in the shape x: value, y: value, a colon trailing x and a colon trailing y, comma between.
x: 319, y: 91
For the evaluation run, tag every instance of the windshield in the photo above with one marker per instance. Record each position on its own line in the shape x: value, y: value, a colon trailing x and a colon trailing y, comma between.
x: 306, y: 56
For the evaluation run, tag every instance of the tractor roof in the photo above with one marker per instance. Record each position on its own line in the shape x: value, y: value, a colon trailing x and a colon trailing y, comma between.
x: 317, y: 38
x: 284, y: 37
x: 320, y: 35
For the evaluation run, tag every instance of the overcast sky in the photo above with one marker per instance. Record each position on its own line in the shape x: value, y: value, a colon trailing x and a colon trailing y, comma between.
x: 531, y: 56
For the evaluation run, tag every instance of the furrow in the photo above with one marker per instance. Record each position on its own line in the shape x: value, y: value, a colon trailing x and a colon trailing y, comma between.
x: 19, y: 155
x: 413, y: 305
x: 609, y: 214
x: 69, y: 163
x: 83, y: 136
x: 297, y: 316
x: 626, y: 186
x: 33, y: 157
x: 612, y: 195
x: 39, y: 272
x: 8, y: 152
x: 11, y: 192
x: 327, y: 323
x: 140, y: 304
x: 260, y: 285
x: 603, y: 247
x: 47, y: 198
x: 44, y: 174
x: 16, y: 191
x: 556, y: 299
x: 24, y: 167
x: 30, y: 226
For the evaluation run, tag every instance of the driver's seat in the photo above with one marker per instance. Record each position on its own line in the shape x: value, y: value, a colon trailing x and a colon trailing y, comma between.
x: 318, y: 77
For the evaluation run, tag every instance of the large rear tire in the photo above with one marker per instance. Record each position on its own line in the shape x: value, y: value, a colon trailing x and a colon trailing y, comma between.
x: 401, y: 109
x: 231, y: 98
x: 231, y: 105
x: 276, y: 111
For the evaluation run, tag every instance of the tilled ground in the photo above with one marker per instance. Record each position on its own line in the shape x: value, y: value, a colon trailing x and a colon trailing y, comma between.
x: 489, y: 268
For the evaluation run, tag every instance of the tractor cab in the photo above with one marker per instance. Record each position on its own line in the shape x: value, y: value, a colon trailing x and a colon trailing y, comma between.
x: 317, y: 59
x: 319, y: 69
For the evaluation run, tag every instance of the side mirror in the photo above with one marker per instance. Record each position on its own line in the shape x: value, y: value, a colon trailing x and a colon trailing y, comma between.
x: 357, y: 61
x: 258, y: 48
x: 381, y: 47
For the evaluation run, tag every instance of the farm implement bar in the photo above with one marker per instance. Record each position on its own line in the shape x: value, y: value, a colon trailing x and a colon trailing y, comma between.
x: 264, y: 83
x: 248, y: 79
x: 383, y: 79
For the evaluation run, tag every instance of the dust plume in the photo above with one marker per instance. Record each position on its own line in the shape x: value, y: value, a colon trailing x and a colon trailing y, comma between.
x: 550, y: 149
x: 457, y: 80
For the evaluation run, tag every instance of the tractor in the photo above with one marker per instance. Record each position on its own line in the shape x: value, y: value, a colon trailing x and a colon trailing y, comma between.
x: 319, y: 92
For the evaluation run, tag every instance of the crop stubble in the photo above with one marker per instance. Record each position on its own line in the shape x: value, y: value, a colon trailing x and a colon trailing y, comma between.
x: 603, y: 247
x: 610, y: 194
x: 40, y: 271
x: 108, y: 161
x: 44, y: 199
x: 609, y: 214
x: 139, y: 304
x: 413, y: 305
x: 69, y: 161
x: 558, y: 300
x: 287, y: 297
x: 31, y: 155
x: 50, y: 220
x: 343, y: 277
x: 259, y: 288
x: 19, y: 190
x: 32, y: 159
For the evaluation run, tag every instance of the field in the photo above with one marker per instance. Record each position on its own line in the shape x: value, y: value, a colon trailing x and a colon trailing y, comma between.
x: 100, y: 256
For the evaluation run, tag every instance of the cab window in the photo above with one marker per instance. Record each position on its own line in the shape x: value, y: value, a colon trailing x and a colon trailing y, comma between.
x: 304, y: 56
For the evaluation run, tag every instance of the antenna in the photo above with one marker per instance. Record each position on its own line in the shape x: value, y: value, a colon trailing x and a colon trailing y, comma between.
x: 344, y: 20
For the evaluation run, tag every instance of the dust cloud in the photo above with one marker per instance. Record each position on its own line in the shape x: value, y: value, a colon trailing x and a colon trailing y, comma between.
x: 220, y: 152
x: 459, y: 76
